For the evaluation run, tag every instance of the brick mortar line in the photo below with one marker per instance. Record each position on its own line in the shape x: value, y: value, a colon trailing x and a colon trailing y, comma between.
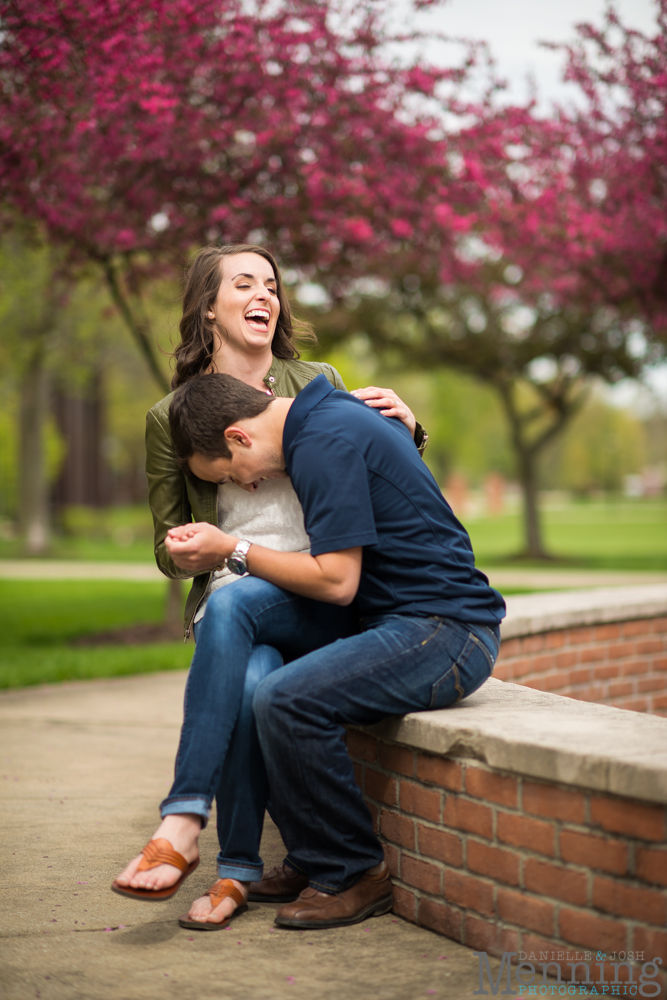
x: 576, y: 636
x: 655, y: 623
x: 603, y: 647
x: 531, y: 894
x: 474, y: 762
x: 562, y: 943
x: 559, y: 825
x: 623, y: 667
x: 582, y: 658
x: 645, y: 658
x: 514, y: 776
x: 527, y: 853
x: 642, y: 662
x: 631, y: 879
x: 608, y: 681
x: 553, y: 941
x: 622, y: 881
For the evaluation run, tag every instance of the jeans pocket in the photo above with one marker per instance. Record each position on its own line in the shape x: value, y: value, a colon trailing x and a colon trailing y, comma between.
x: 493, y: 636
x: 468, y: 671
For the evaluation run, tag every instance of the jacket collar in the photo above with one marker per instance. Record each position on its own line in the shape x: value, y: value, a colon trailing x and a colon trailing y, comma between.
x: 274, y: 376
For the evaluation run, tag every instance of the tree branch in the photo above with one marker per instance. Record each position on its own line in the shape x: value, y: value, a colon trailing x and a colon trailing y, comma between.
x: 566, y: 411
x: 137, y: 330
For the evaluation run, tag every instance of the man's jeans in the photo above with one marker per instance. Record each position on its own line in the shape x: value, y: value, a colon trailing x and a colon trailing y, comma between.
x: 397, y: 664
x: 249, y: 629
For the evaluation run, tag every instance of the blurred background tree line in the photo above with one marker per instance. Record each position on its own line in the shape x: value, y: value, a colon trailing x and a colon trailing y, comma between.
x: 75, y: 391
x: 498, y: 267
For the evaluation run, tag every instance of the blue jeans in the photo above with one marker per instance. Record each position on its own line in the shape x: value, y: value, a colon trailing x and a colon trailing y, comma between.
x: 250, y: 628
x: 397, y: 664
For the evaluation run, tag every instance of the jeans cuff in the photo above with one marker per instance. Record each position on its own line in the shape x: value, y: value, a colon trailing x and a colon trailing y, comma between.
x: 289, y: 860
x: 179, y: 804
x: 329, y: 889
x: 228, y: 868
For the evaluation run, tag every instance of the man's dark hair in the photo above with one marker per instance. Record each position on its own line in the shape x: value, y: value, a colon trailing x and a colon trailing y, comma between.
x: 202, y: 410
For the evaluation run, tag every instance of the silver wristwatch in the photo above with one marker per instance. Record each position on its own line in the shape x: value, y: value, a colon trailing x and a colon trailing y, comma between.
x: 237, y: 562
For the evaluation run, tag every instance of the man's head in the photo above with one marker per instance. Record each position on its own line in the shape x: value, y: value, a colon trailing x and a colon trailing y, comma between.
x: 209, y: 422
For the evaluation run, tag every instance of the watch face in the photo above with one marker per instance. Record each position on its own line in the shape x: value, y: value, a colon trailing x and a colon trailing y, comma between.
x: 236, y: 564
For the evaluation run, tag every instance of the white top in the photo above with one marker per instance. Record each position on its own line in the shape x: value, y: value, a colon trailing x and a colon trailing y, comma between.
x: 271, y: 516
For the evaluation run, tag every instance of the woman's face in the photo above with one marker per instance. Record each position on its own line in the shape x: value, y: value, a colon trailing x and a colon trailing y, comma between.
x: 246, y: 309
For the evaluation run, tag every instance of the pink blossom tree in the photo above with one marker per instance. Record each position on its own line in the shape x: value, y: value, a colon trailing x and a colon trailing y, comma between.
x: 559, y: 271
x: 132, y: 132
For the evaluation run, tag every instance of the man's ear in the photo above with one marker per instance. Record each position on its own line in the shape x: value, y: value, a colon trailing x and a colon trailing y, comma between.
x: 237, y: 436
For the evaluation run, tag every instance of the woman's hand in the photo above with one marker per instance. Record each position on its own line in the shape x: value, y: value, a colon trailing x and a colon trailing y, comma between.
x: 388, y: 403
x: 199, y: 547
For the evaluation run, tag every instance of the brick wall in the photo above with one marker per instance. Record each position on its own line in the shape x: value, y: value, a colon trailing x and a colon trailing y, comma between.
x: 502, y: 862
x: 623, y: 664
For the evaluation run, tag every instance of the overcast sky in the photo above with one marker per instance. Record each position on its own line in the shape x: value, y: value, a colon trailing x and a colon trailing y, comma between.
x: 513, y: 29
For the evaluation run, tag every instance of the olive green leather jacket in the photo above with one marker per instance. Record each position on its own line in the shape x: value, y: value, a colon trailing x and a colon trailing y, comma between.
x: 177, y: 497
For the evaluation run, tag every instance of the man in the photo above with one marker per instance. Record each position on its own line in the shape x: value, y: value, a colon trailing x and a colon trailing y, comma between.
x: 380, y: 531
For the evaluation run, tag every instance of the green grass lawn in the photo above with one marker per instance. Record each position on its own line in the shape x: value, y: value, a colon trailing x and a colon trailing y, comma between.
x: 111, y: 534
x: 39, y: 620
x: 89, y: 549
x: 613, y: 534
x: 595, y: 535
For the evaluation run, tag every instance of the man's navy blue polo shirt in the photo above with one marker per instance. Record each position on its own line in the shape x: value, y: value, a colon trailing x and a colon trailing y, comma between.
x: 361, y: 481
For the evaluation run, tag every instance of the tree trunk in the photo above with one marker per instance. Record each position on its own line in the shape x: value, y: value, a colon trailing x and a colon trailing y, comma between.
x: 174, y: 608
x: 562, y: 408
x: 532, y: 525
x: 526, y: 455
x: 84, y: 477
x: 33, y: 487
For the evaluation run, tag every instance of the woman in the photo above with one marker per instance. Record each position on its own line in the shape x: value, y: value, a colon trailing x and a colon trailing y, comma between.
x: 236, y: 320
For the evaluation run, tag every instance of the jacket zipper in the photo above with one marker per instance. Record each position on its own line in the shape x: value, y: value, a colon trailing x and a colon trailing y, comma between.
x: 188, y: 629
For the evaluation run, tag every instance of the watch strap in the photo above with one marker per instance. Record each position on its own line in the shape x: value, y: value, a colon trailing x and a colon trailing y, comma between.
x: 236, y: 562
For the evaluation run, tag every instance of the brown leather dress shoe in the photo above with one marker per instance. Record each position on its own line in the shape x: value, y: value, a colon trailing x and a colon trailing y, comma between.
x: 280, y: 885
x: 369, y: 897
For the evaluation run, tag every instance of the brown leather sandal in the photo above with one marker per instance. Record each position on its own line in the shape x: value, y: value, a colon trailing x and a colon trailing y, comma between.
x: 223, y: 887
x: 158, y: 852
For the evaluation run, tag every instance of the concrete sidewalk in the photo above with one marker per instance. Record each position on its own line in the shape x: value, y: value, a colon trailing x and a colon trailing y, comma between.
x: 84, y: 766
x: 551, y: 578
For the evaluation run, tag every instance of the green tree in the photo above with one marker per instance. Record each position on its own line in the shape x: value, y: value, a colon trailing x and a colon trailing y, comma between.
x: 54, y: 331
x: 32, y: 300
x: 601, y: 446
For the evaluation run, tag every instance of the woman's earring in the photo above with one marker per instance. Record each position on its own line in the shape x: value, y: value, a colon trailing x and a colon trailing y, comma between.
x: 211, y: 315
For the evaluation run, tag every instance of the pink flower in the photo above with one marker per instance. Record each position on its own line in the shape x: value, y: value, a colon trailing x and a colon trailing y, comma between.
x: 401, y: 228
x: 125, y: 239
x: 358, y: 230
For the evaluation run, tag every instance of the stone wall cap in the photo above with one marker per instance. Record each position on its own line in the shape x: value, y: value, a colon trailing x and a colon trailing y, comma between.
x: 528, y: 614
x: 545, y: 736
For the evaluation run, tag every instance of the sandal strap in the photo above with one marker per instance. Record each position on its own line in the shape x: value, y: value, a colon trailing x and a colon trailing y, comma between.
x: 160, y: 852
x: 224, y: 887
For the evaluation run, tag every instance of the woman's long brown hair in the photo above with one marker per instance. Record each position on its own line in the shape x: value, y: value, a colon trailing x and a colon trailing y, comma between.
x: 195, y: 350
